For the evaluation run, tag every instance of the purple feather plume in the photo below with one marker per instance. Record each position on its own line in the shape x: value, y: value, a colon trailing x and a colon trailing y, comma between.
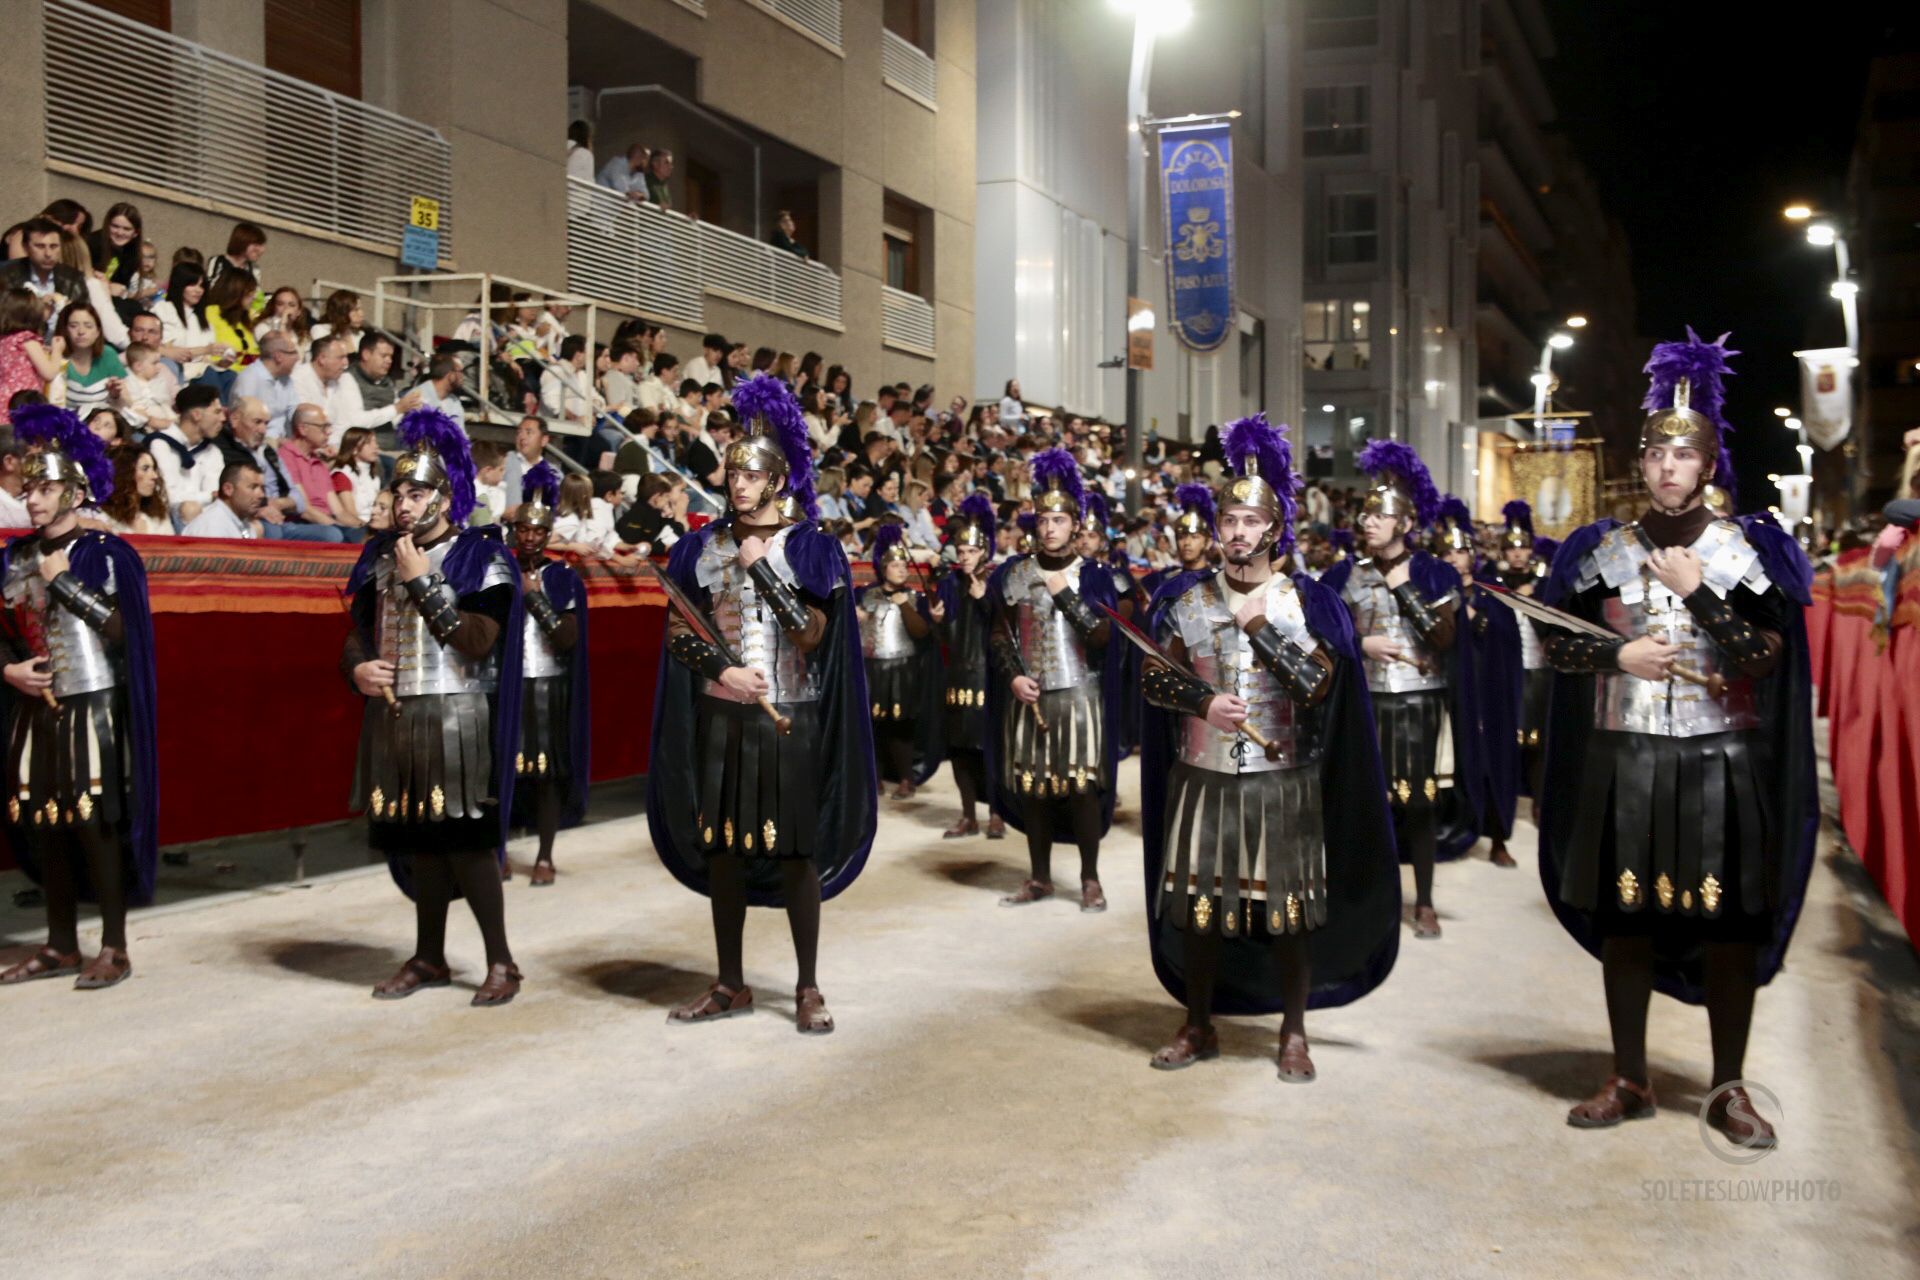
x: 60, y: 429
x: 977, y: 509
x: 543, y: 480
x: 763, y: 396
x: 1028, y: 521
x: 1272, y: 456
x: 1519, y: 515
x: 1095, y: 505
x: 1341, y: 540
x: 1198, y: 497
x: 886, y: 536
x: 432, y: 429
x: 1452, y: 508
x: 1391, y: 457
x: 1723, y: 470
x: 1544, y: 547
x: 1703, y: 364
x: 1057, y: 464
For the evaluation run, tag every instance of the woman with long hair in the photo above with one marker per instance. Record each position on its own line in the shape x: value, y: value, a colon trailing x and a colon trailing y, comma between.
x: 287, y: 313
x: 809, y: 372
x: 116, y: 253
x: 93, y: 368
x: 840, y: 386
x: 139, y: 501
x: 183, y: 322
x: 229, y: 304
x: 342, y: 317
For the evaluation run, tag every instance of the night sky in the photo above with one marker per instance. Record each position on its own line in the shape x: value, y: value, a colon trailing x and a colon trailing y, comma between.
x: 1701, y: 121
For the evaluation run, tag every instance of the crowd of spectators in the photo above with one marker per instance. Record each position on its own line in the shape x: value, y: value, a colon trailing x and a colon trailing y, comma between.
x: 237, y: 410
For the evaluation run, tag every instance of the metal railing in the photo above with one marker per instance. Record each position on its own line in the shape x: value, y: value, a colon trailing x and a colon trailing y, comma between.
x: 131, y: 103
x: 820, y: 17
x: 907, y: 67
x: 662, y: 264
x: 906, y: 320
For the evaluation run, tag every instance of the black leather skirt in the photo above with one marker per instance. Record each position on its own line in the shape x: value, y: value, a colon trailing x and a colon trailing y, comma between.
x: 1409, y: 728
x: 1245, y: 853
x: 890, y: 688
x: 1069, y: 755
x: 546, y: 729
x: 759, y: 789
x: 68, y: 765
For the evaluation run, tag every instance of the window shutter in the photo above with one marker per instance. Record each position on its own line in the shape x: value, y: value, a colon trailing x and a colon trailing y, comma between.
x: 317, y: 41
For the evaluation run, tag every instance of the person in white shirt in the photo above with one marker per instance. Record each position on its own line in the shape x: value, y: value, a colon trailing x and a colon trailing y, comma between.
x: 658, y: 392
x: 705, y: 367
x: 270, y: 381
x: 550, y: 330
x: 13, y: 512
x: 189, y: 462
x: 324, y: 381
x: 580, y: 151
x: 583, y: 525
x: 621, y: 386
x: 1012, y: 412
x: 242, y: 494
x: 147, y: 391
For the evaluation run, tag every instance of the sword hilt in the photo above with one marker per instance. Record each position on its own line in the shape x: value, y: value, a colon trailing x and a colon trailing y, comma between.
x: 783, y: 724
x: 1260, y: 740
x: 1715, y: 684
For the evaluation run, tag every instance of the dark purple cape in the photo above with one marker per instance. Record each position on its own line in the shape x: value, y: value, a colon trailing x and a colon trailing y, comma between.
x: 465, y: 567
x: 1096, y: 589
x: 563, y: 586
x: 1785, y: 701
x: 90, y: 555
x: 849, y: 789
x: 930, y: 689
x: 1500, y: 687
x: 1355, y: 951
x: 1460, y: 813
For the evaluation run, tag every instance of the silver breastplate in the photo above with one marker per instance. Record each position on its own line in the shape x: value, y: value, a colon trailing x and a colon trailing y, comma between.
x: 1051, y: 650
x: 1220, y: 653
x: 1377, y: 613
x: 76, y: 655
x: 755, y: 637
x: 537, y: 657
x: 1671, y: 708
x: 883, y: 627
x: 421, y: 664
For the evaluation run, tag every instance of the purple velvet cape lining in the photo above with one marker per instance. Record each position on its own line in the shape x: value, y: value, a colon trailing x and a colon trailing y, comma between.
x: 1786, y: 709
x: 90, y: 555
x: 465, y: 568
x: 1096, y: 588
x: 1353, y: 953
x: 849, y: 788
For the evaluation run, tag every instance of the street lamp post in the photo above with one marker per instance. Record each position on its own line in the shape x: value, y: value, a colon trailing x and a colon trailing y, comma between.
x: 1543, y: 380
x: 1824, y: 232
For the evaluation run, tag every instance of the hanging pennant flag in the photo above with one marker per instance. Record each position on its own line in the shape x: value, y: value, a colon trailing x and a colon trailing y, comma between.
x: 1196, y: 186
x: 1826, y: 394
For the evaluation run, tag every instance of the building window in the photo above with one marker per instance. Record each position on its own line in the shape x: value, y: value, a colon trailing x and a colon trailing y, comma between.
x: 154, y: 13
x: 317, y: 41
x: 1336, y: 120
x: 1337, y: 333
x: 1334, y: 433
x: 900, y: 229
x: 1342, y: 24
x: 912, y: 21
x: 1353, y: 234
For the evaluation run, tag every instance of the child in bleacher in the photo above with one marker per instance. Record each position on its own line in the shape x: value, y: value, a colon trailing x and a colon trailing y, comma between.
x: 489, y: 483
x: 146, y: 393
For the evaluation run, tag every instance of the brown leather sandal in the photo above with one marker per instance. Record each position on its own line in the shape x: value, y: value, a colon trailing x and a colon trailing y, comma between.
x: 996, y: 828
x: 501, y: 986
x: 1189, y: 1045
x: 108, y: 969
x: 1296, y: 1066
x: 1029, y: 891
x: 44, y: 963
x: 1732, y: 1113
x: 413, y: 975
x: 964, y: 827
x: 542, y: 874
x: 810, y: 1016
x: 1091, y: 896
x: 1619, y: 1099
x: 718, y: 1002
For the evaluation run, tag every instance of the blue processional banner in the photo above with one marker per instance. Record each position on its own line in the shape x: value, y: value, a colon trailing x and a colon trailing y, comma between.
x: 1196, y: 184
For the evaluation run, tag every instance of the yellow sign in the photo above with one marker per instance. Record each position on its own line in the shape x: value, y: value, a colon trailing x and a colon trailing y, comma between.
x: 425, y: 214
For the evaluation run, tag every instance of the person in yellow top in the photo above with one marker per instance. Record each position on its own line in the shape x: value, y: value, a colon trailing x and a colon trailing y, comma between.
x: 229, y: 302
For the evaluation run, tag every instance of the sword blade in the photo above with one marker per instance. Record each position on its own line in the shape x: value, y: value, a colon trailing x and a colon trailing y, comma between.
x: 1145, y: 643
x: 690, y: 613
x: 1545, y: 612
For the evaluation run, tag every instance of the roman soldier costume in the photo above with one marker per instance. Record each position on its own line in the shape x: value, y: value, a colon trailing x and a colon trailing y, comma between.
x: 1680, y: 806
x: 966, y: 619
x: 1195, y: 521
x: 79, y: 706
x: 435, y: 771
x: 1053, y: 764
x: 1270, y: 868
x: 553, y: 762
x: 1536, y: 672
x: 1485, y: 803
x: 768, y: 794
x: 904, y: 681
x: 1420, y: 682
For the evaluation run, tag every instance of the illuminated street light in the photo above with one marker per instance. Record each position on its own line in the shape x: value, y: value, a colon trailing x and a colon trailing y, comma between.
x: 1160, y: 16
x: 1576, y: 322
x: 1796, y: 213
x: 1845, y: 290
x: 1794, y: 424
x: 1821, y: 234
x: 1782, y: 412
x: 1560, y: 341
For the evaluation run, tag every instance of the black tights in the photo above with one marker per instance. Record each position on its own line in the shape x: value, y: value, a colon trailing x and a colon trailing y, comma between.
x: 1627, y: 968
x: 1203, y: 970
x: 1414, y: 826
x: 799, y: 885
x: 546, y: 817
x: 896, y: 739
x: 59, y: 853
x: 970, y: 774
x: 1083, y: 811
x: 476, y: 874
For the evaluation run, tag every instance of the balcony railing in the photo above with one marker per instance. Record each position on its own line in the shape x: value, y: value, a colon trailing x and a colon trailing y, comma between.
x: 906, y: 321
x: 905, y: 66
x: 819, y: 18
x: 128, y: 104
x: 663, y: 264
